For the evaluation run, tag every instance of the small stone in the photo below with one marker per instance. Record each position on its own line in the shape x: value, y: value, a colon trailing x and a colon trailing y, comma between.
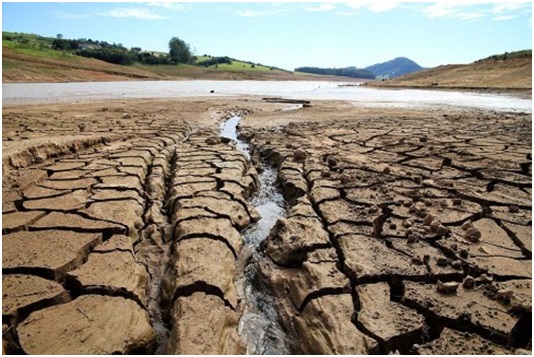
x: 386, y: 170
x: 325, y: 173
x: 407, y: 223
x: 473, y: 235
x: 392, y: 226
x: 442, y: 262
x: 442, y: 230
x: 213, y: 140
x: 412, y: 238
x: 429, y: 218
x: 484, y: 279
x: 418, y: 179
x: 467, y: 225
x: 505, y: 294
x: 513, y: 209
x: 447, y: 288
x: 464, y: 253
x: 457, y: 264
x: 469, y: 282
x: 434, y: 226
x: 299, y: 155
x: 457, y: 201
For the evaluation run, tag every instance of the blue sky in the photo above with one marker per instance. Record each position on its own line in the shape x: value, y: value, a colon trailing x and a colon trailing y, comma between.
x: 292, y: 34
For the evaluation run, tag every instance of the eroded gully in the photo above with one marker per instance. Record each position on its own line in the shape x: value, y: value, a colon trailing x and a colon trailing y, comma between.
x: 258, y: 326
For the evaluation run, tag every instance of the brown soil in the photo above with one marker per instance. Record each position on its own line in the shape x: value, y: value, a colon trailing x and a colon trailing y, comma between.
x: 508, y: 76
x: 23, y: 68
x: 407, y: 231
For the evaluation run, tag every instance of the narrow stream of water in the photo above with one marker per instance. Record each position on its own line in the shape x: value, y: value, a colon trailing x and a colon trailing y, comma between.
x: 259, y: 325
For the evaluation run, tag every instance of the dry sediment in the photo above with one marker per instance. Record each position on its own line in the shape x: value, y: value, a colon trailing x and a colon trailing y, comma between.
x: 130, y: 245
x: 403, y: 206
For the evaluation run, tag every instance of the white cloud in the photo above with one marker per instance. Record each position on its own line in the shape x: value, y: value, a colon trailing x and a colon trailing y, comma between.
x: 70, y: 16
x: 451, y: 10
x: 504, y: 17
x: 171, y: 6
x: 321, y: 7
x: 381, y: 6
x: 259, y: 13
x: 471, y: 11
x: 509, y: 6
x: 136, y: 13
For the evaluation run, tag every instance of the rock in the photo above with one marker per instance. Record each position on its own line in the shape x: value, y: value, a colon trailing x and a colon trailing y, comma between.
x: 513, y: 209
x: 17, y: 221
x: 125, y: 212
x: 473, y: 235
x: 214, y: 333
x: 428, y: 219
x: 484, y: 279
x: 67, y: 202
x: 442, y: 261
x: 193, y: 268
x: 60, y: 220
x: 505, y: 294
x: 367, y: 258
x: 452, y: 342
x: 213, y: 140
x: 447, y: 288
x: 469, y: 282
x: 22, y: 294
x: 325, y: 327
x: 299, y: 155
x: 318, y: 273
x: 50, y: 253
x: 486, y: 314
x: 211, y: 228
x: 292, y: 238
x: 113, y: 272
x: 91, y: 324
x: 389, y: 322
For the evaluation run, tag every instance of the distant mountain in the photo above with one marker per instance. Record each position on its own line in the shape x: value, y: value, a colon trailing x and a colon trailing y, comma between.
x: 394, y: 68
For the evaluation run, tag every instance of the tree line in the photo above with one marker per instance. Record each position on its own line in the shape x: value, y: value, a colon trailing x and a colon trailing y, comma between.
x: 344, y: 72
x: 179, y: 51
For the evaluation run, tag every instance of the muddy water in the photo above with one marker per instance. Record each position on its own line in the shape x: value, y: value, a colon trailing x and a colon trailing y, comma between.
x: 258, y: 326
x: 20, y: 93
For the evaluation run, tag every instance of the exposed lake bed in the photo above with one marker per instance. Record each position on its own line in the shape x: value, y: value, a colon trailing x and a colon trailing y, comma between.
x: 369, y: 196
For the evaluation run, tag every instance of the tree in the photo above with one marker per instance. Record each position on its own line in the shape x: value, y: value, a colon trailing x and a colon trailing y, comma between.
x: 59, y: 36
x: 179, y: 51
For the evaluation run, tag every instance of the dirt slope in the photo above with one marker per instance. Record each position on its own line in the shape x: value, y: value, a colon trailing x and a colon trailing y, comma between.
x: 496, y: 74
x: 17, y: 67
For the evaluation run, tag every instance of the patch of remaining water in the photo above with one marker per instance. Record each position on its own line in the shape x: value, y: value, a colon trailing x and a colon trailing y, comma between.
x: 259, y: 325
x: 229, y: 131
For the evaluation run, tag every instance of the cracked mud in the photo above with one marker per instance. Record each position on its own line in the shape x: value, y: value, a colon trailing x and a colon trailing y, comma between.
x: 147, y: 232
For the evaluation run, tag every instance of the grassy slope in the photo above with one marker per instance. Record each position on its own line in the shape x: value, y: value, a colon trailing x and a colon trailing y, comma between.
x: 496, y: 72
x: 30, y: 58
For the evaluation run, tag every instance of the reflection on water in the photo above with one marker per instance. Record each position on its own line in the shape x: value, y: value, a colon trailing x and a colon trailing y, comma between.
x: 258, y: 325
x: 359, y: 95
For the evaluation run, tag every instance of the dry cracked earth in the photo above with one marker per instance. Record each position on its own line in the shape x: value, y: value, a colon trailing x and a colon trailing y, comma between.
x: 402, y: 234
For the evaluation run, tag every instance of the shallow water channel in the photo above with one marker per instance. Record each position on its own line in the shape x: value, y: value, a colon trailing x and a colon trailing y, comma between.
x: 259, y: 327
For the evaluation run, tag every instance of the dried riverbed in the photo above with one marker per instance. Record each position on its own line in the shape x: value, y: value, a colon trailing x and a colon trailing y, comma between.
x: 140, y: 227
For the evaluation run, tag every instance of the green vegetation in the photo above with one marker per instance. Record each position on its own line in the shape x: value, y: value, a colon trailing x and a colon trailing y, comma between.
x: 233, y: 65
x: 352, y: 72
x: 508, y: 55
x: 171, y: 63
x: 179, y: 51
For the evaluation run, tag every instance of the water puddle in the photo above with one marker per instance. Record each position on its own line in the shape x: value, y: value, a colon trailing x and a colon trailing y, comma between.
x: 259, y: 327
